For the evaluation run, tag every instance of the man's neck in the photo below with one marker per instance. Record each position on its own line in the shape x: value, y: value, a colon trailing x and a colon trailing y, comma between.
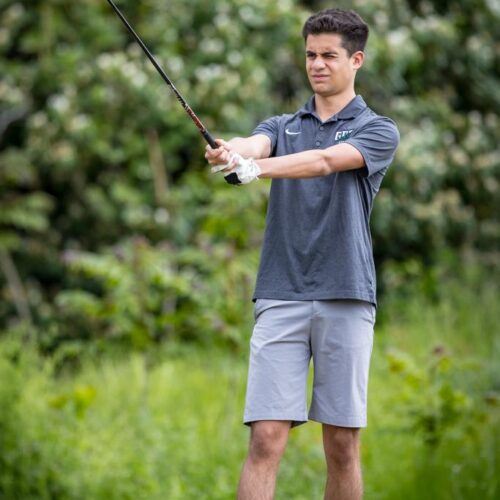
x: 331, y: 105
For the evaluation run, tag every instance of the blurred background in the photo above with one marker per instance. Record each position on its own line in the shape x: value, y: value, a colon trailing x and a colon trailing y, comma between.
x: 126, y: 270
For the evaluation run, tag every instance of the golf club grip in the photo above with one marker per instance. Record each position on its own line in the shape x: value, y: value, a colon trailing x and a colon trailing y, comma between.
x: 209, y: 139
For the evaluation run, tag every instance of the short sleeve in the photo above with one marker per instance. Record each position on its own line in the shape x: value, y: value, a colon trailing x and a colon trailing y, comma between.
x: 269, y: 128
x: 377, y: 142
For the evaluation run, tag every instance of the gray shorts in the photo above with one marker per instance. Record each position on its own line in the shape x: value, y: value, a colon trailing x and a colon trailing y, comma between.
x: 337, y: 334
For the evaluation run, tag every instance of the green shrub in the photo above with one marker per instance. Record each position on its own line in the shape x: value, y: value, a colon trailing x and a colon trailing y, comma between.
x: 166, y: 423
x: 96, y: 154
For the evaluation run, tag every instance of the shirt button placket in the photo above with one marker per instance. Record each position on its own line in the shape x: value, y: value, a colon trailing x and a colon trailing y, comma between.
x: 319, y: 136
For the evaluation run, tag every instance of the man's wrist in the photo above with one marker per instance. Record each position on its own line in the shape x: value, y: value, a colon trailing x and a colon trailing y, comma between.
x: 243, y: 172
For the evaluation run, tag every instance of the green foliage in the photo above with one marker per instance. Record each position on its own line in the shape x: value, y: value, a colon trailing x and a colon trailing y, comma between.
x: 433, y: 405
x: 96, y: 155
x: 96, y: 151
x: 150, y: 294
x: 167, y: 423
x: 113, y: 233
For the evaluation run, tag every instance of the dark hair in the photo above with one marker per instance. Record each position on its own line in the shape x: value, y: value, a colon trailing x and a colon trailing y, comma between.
x: 347, y: 23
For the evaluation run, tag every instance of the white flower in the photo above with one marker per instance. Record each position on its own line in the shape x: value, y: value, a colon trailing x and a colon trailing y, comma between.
x: 175, y: 64
x: 39, y: 120
x: 234, y: 58
x: 13, y: 13
x: 79, y: 122
x: 59, y: 103
x: 213, y: 46
x: 210, y: 72
x: 161, y: 216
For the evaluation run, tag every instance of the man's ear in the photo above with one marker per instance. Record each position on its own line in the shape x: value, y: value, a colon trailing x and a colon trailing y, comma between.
x: 357, y: 59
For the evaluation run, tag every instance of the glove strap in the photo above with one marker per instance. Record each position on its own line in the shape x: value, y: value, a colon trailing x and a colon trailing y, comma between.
x: 232, y: 178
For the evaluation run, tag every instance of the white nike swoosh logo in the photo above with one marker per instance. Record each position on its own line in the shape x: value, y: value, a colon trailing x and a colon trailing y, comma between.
x: 291, y: 133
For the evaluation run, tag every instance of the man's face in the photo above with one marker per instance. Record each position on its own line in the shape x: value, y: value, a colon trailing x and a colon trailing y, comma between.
x: 330, y: 69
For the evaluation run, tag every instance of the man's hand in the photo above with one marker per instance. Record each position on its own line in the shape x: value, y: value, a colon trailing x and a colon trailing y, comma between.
x: 220, y: 155
x: 238, y: 170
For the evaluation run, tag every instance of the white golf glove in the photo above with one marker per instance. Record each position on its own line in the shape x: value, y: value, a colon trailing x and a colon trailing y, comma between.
x: 238, y: 170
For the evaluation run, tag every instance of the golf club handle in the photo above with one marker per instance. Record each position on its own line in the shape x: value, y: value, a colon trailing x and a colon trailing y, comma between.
x: 209, y: 139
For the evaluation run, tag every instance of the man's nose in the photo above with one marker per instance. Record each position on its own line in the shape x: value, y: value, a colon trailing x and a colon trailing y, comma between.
x: 318, y: 63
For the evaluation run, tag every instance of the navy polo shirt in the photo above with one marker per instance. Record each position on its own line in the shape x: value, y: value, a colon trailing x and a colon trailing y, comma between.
x: 317, y: 242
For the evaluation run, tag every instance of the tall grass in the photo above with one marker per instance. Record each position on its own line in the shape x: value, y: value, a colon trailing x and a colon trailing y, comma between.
x: 167, y: 425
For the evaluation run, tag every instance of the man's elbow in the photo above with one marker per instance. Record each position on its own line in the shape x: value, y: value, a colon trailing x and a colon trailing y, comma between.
x: 329, y: 164
x: 341, y: 161
x: 325, y: 167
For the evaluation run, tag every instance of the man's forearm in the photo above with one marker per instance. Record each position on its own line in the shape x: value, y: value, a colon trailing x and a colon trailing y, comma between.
x: 251, y: 147
x: 311, y: 163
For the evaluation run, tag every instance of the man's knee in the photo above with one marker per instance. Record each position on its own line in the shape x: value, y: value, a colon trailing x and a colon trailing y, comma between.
x: 341, y: 446
x: 268, y: 440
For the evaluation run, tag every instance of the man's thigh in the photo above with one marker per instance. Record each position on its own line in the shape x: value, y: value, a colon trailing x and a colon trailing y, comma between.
x: 279, y: 360
x: 342, y: 341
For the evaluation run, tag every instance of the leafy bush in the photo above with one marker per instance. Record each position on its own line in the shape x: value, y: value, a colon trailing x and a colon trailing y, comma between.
x: 167, y: 423
x: 96, y: 155
x: 429, y: 400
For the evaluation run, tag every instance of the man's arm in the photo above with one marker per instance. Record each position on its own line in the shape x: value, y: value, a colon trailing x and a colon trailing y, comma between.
x: 256, y: 147
x: 312, y: 163
x: 372, y: 149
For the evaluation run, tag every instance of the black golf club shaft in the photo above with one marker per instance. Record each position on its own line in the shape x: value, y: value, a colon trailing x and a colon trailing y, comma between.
x: 185, y: 105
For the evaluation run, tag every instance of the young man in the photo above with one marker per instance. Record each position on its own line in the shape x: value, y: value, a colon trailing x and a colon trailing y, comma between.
x: 315, y: 292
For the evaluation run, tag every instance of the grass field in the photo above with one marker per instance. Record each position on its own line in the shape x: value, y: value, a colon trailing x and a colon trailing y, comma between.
x: 167, y: 424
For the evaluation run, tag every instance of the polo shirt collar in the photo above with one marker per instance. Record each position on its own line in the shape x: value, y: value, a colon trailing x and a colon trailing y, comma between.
x: 350, y: 111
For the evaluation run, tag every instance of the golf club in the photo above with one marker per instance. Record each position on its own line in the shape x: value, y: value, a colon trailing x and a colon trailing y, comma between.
x: 185, y: 105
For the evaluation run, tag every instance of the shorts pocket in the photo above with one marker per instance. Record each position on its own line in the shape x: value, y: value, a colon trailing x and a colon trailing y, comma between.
x: 257, y: 309
x: 260, y: 306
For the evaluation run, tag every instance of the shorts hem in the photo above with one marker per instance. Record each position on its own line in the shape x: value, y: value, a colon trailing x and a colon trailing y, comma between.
x: 339, y: 420
x: 296, y: 421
